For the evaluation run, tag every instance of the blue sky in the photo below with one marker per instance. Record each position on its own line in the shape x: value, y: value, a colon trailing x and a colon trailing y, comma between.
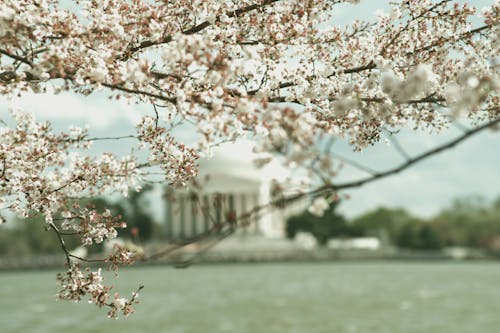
x: 469, y: 169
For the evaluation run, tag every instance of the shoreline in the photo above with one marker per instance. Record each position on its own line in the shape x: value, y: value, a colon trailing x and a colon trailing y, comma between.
x: 185, y: 258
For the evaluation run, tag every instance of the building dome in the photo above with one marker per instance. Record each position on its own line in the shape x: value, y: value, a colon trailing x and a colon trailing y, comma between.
x: 237, y: 160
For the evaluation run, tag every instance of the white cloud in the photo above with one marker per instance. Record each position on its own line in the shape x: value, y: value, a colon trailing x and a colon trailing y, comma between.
x: 96, y: 111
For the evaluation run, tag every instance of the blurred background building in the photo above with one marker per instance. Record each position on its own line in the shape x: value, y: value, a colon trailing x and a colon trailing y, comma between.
x: 230, y: 185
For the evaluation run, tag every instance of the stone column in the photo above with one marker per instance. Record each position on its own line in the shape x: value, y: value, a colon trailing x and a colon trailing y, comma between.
x: 170, y: 220
x: 206, y: 213
x: 182, y: 217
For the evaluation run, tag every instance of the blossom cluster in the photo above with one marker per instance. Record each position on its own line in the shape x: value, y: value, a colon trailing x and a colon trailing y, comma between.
x: 318, y: 207
x: 90, y: 225
x: 177, y: 160
x: 122, y: 253
x: 76, y: 284
x: 42, y: 172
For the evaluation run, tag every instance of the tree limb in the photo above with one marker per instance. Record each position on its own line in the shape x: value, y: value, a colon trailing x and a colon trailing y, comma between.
x: 410, y: 161
x: 197, y: 28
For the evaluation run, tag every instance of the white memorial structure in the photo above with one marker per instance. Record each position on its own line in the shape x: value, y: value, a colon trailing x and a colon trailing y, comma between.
x: 231, y: 182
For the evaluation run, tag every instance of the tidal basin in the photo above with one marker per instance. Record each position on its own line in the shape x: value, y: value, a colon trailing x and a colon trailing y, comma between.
x: 310, y: 297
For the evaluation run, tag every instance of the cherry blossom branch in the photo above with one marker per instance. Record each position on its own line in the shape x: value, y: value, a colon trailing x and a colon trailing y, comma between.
x: 197, y: 28
x: 105, y: 138
x: 442, y: 40
x: 371, y: 65
x: 354, y: 164
x: 4, y: 168
x: 176, y: 245
x: 74, y: 180
x: 66, y: 252
x: 16, y: 57
x: 407, y: 25
x: 61, y: 243
x: 140, y: 92
x: 206, y: 247
x: 409, y: 162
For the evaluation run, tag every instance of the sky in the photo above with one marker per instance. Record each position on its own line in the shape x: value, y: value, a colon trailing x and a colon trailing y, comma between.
x: 472, y: 168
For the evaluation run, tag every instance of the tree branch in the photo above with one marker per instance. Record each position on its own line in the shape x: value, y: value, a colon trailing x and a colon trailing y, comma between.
x: 399, y: 148
x: 16, y: 57
x: 197, y: 28
x: 371, y: 64
x: 354, y: 164
x: 411, y: 161
x: 140, y: 92
x: 443, y: 40
x: 103, y: 138
x: 61, y: 242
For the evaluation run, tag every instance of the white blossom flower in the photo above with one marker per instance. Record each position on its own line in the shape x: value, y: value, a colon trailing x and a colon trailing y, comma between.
x: 318, y: 206
x: 120, y: 303
x: 390, y: 83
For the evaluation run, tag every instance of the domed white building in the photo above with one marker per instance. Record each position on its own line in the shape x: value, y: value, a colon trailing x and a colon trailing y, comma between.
x: 230, y: 186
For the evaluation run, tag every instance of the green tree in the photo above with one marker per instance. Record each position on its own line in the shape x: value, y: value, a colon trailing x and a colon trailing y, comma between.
x: 418, y: 234
x: 139, y: 219
x: 29, y: 236
x: 470, y: 222
x: 384, y: 223
x: 430, y: 239
x: 323, y: 228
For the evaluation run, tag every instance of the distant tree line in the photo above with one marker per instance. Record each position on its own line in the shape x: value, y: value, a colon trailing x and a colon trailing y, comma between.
x: 323, y: 228
x: 28, y: 236
x: 468, y: 222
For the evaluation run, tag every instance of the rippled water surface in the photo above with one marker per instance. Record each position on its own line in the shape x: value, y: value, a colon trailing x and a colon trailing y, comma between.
x: 326, y: 297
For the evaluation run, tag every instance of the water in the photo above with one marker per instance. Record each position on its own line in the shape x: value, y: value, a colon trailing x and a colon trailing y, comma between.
x: 327, y: 297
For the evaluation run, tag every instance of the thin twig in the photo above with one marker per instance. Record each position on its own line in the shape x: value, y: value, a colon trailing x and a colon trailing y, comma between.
x: 355, y: 164
x: 399, y: 148
x: 111, y: 138
x: 61, y: 242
